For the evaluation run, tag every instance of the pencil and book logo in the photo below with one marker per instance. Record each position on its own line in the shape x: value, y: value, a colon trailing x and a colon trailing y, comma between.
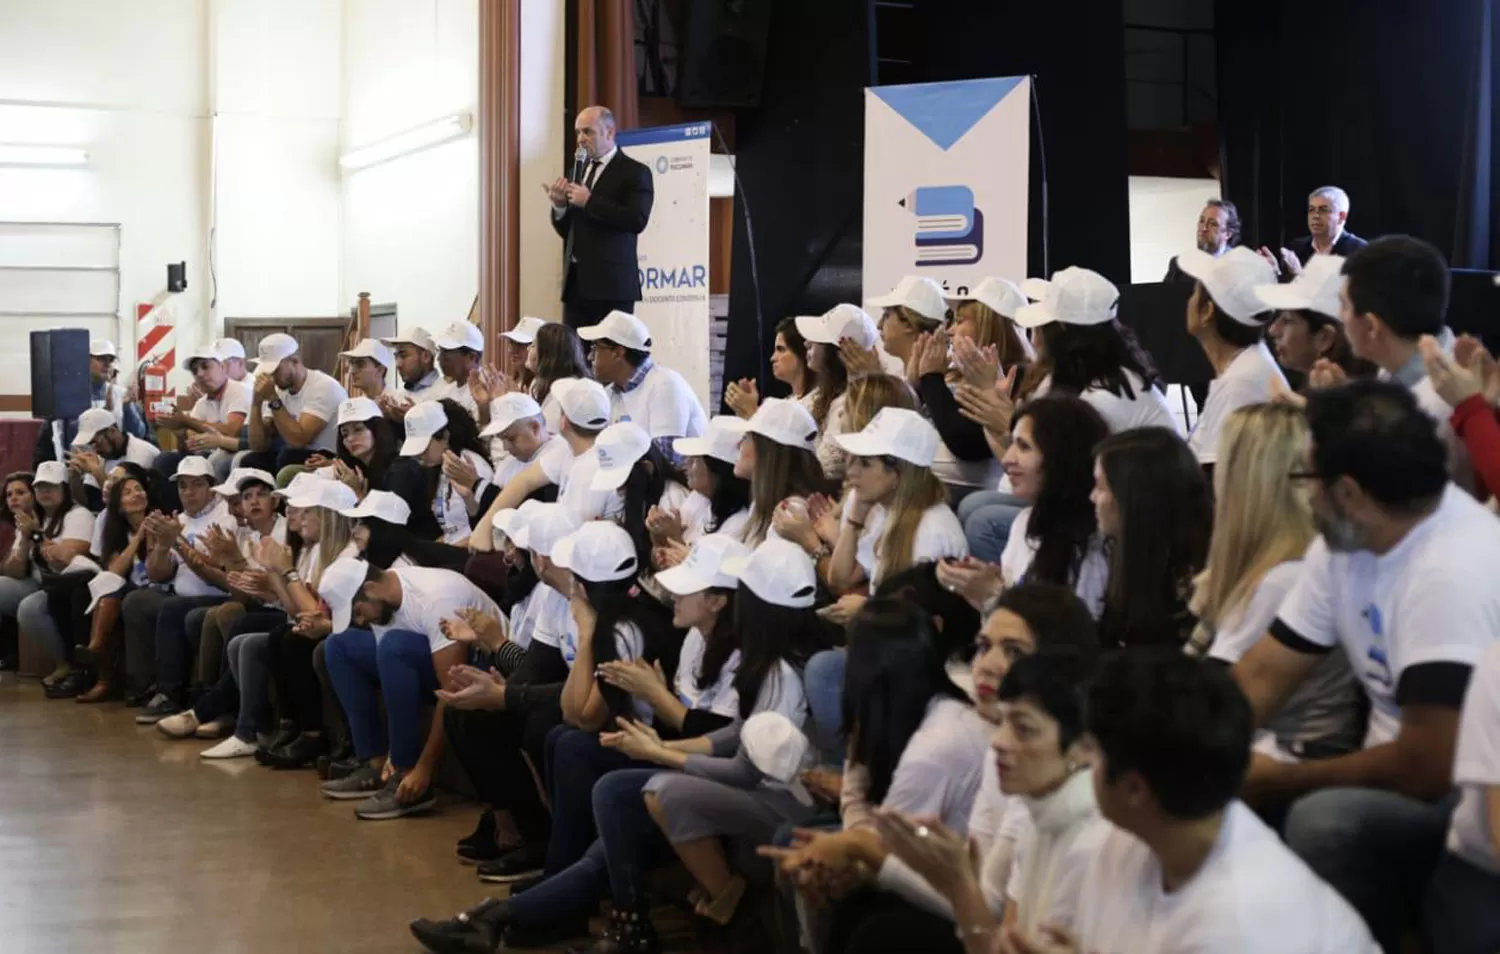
x: 949, y: 230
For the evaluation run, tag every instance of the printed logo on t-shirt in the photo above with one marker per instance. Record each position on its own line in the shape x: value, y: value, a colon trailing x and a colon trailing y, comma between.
x: 1379, y: 666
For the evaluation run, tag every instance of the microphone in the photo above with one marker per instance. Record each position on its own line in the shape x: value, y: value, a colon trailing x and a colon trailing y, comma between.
x: 580, y: 156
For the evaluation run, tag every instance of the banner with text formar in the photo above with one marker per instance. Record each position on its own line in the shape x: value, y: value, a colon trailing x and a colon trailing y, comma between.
x: 946, y: 181
x: 673, y: 250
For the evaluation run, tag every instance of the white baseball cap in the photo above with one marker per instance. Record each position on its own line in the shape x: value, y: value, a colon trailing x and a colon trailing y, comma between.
x: 105, y: 584
x: 371, y: 348
x: 623, y: 329
x: 1000, y: 295
x: 838, y: 323
x: 776, y: 747
x: 238, y: 477
x: 91, y: 422
x: 525, y: 330
x: 358, y: 409
x: 778, y: 571
x: 423, y: 421
x: 338, y: 586
x: 618, y: 447
x: 230, y: 348
x: 460, y: 334
x: 1231, y: 280
x: 299, y: 484
x: 417, y: 336
x: 207, y: 352
x: 600, y: 551
x: 1074, y: 296
x: 51, y: 472
x: 543, y: 526
x: 922, y: 295
x: 703, y: 568
x: 583, y: 401
x: 1316, y: 289
x: 508, y: 522
x: 509, y: 408
x: 382, y: 505
x: 721, y: 440
x: 193, y: 466
x: 273, y: 350
x: 894, y: 432
x: 783, y: 420
x: 102, y: 348
x: 328, y: 494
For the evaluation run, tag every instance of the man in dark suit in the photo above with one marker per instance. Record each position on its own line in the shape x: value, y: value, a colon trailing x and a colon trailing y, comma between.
x: 1218, y: 232
x: 1327, y: 213
x: 599, y: 217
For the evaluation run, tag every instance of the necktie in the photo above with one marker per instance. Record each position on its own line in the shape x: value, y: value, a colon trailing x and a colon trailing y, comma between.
x: 588, y: 179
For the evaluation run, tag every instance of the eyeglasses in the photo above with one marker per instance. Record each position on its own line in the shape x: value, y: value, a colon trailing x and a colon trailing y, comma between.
x: 1319, y: 210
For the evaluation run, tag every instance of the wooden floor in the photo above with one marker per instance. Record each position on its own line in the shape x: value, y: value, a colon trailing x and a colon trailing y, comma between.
x: 113, y: 839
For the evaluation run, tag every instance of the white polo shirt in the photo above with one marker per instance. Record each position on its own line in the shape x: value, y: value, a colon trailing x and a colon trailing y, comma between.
x: 194, y: 529
x: 1431, y: 599
x: 320, y: 396
x: 1476, y: 765
x: 1093, y: 572
x: 1246, y: 381
x: 429, y: 596
x: 234, y: 399
x: 662, y: 405
x: 1251, y: 896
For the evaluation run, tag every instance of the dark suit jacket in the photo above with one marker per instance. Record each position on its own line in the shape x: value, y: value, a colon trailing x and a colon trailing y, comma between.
x: 1347, y: 245
x: 602, y: 243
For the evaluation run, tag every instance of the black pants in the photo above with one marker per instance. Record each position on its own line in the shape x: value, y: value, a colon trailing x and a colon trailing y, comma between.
x: 489, y: 745
x: 582, y: 312
x: 298, y: 692
x: 876, y: 922
x: 272, y: 461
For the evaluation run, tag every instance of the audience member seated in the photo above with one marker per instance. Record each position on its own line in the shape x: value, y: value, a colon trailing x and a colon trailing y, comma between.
x: 293, y: 408
x: 520, y: 425
x: 416, y: 365
x: 1307, y: 328
x: 370, y: 459
x: 718, y: 502
x: 630, y: 462
x: 915, y: 307
x: 444, y: 440
x: 217, y: 418
x: 1186, y: 866
x: 369, y: 366
x: 1153, y: 506
x: 653, y: 396
x: 556, y: 353
x: 518, y: 342
x: 790, y: 364
x: 1469, y: 381
x: 776, y: 454
x: 1400, y: 578
x: 460, y: 357
x: 841, y: 331
x: 1327, y: 214
x: 121, y: 547
x: 107, y: 446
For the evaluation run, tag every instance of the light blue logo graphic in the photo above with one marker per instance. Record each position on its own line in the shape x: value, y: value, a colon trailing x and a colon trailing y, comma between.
x: 661, y: 165
x: 950, y: 230
x: 944, y: 112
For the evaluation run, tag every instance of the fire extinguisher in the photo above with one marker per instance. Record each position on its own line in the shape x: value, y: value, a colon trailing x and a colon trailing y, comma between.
x: 154, y: 389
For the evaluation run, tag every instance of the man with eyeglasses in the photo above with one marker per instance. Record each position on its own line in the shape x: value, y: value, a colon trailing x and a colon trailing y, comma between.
x: 1218, y: 232
x: 1327, y: 213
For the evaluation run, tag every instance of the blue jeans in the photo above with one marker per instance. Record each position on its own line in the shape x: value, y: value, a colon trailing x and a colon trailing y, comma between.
x: 399, y: 670
x: 176, y: 641
x: 1463, y: 909
x: 250, y: 664
x: 823, y: 682
x: 575, y: 761
x: 24, y: 600
x: 986, y: 517
x: 1376, y: 848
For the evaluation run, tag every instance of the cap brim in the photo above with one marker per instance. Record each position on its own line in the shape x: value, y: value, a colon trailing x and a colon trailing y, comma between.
x: 414, y: 446
x: 116, y: 584
x: 1034, y: 315
x: 593, y: 333
x: 681, y: 581
x: 521, y: 338
x: 562, y: 553
x: 83, y: 437
x: 862, y: 445
x: 814, y: 329
x: 692, y: 447
x: 1284, y: 297
x: 1035, y: 288
x: 611, y: 478
x: 1195, y: 263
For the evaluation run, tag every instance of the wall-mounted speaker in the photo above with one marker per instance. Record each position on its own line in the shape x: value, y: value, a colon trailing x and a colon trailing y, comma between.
x: 722, y: 62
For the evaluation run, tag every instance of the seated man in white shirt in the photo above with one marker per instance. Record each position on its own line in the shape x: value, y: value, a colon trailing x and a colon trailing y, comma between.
x: 1403, y: 579
x: 293, y: 409
x: 517, y: 422
x: 460, y: 358
x: 370, y: 363
x: 1230, y: 321
x: 99, y: 445
x: 214, y: 423
x: 1188, y: 868
x: 652, y: 395
x: 416, y: 365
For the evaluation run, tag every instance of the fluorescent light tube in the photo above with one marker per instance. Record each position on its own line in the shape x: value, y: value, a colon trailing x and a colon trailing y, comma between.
x: 405, y: 143
x: 23, y: 154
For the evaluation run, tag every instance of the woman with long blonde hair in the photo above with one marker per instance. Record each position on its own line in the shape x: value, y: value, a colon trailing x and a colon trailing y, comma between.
x: 1263, y: 525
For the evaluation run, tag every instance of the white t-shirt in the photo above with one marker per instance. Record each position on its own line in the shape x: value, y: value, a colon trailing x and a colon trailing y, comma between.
x: 780, y: 692
x: 1431, y: 598
x: 248, y: 538
x: 429, y: 596
x: 1093, y: 573
x: 509, y: 467
x: 572, y: 475
x: 552, y: 621
x: 697, y: 513
x: 830, y: 454
x: 940, y: 769
x: 1246, y: 381
x: 1056, y: 841
x: 77, y: 524
x: 662, y: 405
x: 1476, y: 765
x: 320, y: 396
x: 449, y: 506
x: 1251, y: 896
x: 137, y: 451
x: 234, y: 399
x: 185, y: 582
x: 939, y: 536
x: 1147, y: 407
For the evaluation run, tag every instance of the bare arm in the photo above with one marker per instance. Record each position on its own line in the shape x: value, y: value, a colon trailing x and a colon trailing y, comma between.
x: 260, y: 429
x: 300, y: 431
x: 843, y: 568
x: 1269, y: 673
x: 515, y: 492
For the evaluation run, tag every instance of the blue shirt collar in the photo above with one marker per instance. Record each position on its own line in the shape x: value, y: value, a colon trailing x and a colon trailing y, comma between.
x: 638, y: 378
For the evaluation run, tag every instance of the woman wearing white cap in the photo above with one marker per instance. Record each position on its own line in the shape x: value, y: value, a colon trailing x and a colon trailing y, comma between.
x: 369, y: 458
x: 445, y: 440
x: 791, y: 364
x: 719, y: 501
x: 47, y: 539
x: 632, y: 463
x: 555, y: 353
x: 776, y: 454
x: 915, y: 307
x: 826, y: 335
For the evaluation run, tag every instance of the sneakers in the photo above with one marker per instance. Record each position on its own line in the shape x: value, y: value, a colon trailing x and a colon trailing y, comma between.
x: 297, y: 754
x: 216, y: 729
x: 480, y: 845
x: 517, y: 865
x: 475, y: 931
x: 384, y: 805
x: 180, y: 726
x: 135, y: 698
x: 331, y: 769
x: 360, y: 783
x: 160, y: 706
x: 233, y: 747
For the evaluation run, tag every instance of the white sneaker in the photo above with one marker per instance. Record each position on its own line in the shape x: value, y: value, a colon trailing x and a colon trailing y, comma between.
x: 180, y: 726
x: 216, y: 729
x: 231, y: 748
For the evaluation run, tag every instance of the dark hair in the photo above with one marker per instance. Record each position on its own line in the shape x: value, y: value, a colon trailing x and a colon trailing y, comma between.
x: 1231, y: 217
x: 617, y: 604
x: 23, y: 476
x: 1340, y: 353
x: 1080, y: 357
x: 384, y: 451
x: 462, y: 431
x: 52, y: 526
x: 1377, y: 434
x: 797, y: 345
x: 1401, y: 280
x: 731, y: 494
x: 780, y: 472
x: 387, y: 542
x: 918, y: 584
x: 1181, y: 724
x: 1166, y: 520
x: 1233, y: 331
x: 1055, y: 682
x: 642, y: 490
x: 833, y: 380
x: 721, y: 643
x: 895, y: 669
x: 559, y: 354
x: 765, y: 634
x: 1062, y: 524
x: 116, y: 527
x: 1057, y: 618
x: 634, y: 357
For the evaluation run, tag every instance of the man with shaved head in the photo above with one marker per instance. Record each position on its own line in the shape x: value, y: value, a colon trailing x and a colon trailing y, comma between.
x: 599, y: 209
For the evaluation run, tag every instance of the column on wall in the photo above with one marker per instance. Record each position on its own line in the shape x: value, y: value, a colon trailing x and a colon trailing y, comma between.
x: 499, y: 169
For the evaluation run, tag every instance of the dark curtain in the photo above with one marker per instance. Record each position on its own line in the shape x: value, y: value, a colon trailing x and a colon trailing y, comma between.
x: 1390, y: 99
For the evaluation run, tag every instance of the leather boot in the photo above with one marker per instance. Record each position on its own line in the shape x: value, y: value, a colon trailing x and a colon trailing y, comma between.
x: 101, y: 654
x: 629, y: 932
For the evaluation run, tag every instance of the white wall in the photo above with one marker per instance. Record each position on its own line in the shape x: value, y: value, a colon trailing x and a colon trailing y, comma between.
x: 411, y: 225
x: 1163, y: 221
x: 545, y: 125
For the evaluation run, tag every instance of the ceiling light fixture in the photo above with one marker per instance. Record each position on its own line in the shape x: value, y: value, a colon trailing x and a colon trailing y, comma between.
x: 25, y: 154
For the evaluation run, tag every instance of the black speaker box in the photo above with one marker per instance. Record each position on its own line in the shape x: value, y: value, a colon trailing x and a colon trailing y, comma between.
x: 60, y: 373
x: 723, y: 57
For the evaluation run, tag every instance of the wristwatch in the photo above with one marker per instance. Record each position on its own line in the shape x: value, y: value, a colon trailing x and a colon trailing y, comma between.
x: 275, y: 404
x: 291, y: 576
x: 36, y: 536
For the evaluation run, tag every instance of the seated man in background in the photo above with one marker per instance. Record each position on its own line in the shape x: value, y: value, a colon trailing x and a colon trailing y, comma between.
x: 54, y: 440
x: 652, y: 395
x: 460, y: 358
x: 97, y: 447
x: 370, y: 364
x: 293, y: 410
x: 1218, y: 232
x: 214, y: 424
x: 416, y: 365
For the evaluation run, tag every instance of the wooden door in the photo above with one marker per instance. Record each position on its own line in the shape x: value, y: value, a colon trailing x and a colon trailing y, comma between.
x: 321, y: 339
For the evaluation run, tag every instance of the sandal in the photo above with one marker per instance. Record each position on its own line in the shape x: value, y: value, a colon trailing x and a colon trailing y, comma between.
x: 721, y: 910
